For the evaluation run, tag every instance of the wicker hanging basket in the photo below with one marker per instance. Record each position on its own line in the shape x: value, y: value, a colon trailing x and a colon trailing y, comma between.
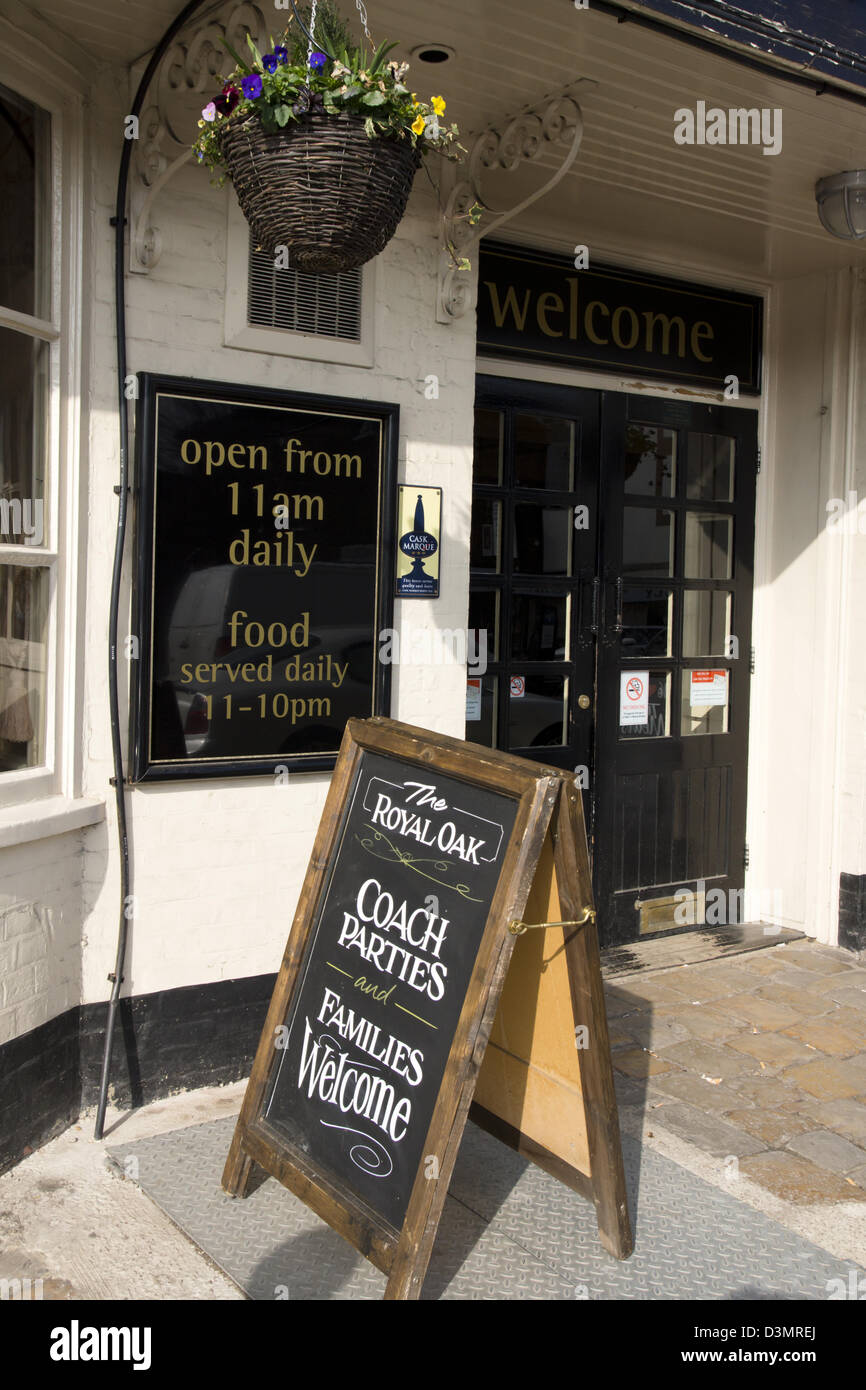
x: 321, y: 187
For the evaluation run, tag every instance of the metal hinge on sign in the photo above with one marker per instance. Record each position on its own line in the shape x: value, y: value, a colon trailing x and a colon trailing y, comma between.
x: 758, y: 463
x: 746, y: 855
x: 751, y: 661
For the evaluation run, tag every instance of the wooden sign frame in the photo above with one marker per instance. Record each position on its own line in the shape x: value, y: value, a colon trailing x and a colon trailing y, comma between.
x: 565, y: 895
x: 404, y: 1254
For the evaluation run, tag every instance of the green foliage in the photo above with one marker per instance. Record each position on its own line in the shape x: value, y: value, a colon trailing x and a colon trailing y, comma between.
x: 332, y: 32
x: 369, y: 87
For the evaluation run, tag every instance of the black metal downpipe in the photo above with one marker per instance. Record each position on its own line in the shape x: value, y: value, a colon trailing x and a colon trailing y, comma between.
x: 122, y: 489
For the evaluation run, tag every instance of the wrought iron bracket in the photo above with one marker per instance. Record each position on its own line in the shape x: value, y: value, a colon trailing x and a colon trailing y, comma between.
x: 525, y: 137
x: 186, y: 77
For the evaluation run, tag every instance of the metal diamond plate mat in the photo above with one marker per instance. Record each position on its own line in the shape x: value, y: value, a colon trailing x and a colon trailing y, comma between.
x: 508, y: 1231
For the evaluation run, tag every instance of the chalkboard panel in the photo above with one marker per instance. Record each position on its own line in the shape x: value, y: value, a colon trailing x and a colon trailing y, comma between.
x: 265, y: 573
x: 385, y: 975
x: 388, y: 989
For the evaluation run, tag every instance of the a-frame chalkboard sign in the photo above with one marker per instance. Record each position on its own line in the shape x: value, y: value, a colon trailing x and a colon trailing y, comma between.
x: 420, y: 878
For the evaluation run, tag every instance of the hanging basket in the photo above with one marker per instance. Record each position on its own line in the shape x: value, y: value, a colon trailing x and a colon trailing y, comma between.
x: 321, y: 187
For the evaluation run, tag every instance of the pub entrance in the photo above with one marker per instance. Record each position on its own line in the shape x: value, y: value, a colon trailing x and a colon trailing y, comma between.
x: 611, y: 571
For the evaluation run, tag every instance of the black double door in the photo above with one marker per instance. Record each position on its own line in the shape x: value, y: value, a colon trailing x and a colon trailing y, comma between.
x: 611, y: 597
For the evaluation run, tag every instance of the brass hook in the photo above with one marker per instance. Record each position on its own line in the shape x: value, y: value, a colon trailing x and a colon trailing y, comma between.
x: 518, y: 928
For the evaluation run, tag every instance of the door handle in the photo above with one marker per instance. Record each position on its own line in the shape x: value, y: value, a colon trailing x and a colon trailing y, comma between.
x: 596, y: 588
x: 617, y: 626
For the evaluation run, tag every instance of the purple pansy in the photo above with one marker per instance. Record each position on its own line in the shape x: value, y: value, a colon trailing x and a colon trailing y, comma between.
x: 318, y: 61
x: 281, y: 54
x: 252, y: 86
x: 209, y: 112
x: 269, y: 62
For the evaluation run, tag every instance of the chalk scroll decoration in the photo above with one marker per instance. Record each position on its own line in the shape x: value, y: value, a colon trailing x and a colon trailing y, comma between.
x: 169, y: 124
x: 526, y: 137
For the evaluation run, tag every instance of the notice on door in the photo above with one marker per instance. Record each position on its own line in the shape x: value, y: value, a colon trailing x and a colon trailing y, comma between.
x: 633, y: 698
x: 473, y: 700
x: 708, y: 688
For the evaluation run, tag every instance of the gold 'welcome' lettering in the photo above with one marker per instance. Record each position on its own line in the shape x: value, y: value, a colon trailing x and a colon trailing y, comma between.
x: 620, y: 325
x: 510, y: 305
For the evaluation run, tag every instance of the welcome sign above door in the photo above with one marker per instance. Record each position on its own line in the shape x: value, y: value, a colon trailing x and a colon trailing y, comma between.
x: 536, y: 306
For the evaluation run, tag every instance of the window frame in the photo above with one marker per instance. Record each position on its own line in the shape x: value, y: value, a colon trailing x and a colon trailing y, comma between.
x: 60, y: 771
x: 285, y: 342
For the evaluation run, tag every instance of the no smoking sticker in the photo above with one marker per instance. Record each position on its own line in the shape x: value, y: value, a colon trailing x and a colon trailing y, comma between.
x: 518, y: 687
x: 633, y: 698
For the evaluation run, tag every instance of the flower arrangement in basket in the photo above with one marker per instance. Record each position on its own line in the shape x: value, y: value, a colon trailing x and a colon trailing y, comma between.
x: 321, y: 141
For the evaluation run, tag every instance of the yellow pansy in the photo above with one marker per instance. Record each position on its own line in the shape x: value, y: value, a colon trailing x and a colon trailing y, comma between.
x: 415, y: 101
x: 438, y: 104
x: 418, y: 125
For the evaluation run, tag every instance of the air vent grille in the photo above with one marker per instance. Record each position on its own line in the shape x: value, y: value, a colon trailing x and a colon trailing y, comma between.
x: 328, y: 306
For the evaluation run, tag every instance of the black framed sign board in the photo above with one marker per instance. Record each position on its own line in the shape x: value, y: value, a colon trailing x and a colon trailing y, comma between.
x: 538, y: 306
x: 265, y: 572
x: 423, y: 864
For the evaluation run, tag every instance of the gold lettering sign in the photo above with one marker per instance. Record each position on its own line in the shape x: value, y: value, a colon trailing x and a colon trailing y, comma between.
x: 535, y: 305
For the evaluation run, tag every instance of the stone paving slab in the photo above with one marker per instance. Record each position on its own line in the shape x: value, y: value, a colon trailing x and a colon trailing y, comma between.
x: 509, y: 1231
x: 829, y: 1150
x: 710, y: 1133
x: 796, y: 1179
x: 846, y: 1117
x: 827, y: 1036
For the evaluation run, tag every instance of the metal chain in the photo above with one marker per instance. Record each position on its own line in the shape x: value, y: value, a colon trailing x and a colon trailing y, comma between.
x: 311, y: 49
x: 363, y: 13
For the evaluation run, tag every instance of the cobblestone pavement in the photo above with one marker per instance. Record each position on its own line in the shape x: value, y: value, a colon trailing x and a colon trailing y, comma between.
x: 758, y: 1060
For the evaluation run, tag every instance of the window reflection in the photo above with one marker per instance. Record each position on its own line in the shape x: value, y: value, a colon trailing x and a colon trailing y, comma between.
x: 542, y: 539
x: 543, y: 452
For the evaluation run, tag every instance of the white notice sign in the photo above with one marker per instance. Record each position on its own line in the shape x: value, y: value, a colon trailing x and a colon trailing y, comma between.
x: 473, y: 700
x: 708, y: 688
x: 633, y: 698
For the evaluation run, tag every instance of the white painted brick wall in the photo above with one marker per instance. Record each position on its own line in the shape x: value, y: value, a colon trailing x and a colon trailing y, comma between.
x: 40, y: 932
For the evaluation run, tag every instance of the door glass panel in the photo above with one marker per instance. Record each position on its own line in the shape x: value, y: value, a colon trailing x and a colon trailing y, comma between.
x: 648, y: 541
x: 658, y: 708
x: 486, y: 529
x: 706, y: 622
x: 710, y: 468
x: 705, y: 702
x: 539, y: 627
x: 23, y: 413
x: 537, y: 711
x: 487, y: 466
x: 483, y: 625
x: 23, y: 662
x: 543, y: 452
x: 650, y: 460
x: 542, y: 539
x: 646, y: 621
x: 709, y: 545
x: 481, y: 696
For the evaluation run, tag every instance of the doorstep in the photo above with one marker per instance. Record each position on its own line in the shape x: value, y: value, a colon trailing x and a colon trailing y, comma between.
x: 689, y: 948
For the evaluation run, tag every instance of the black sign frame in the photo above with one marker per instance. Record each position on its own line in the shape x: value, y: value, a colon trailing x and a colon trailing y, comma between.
x: 152, y: 386
x: 402, y: 1249
x: 541, y: 273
